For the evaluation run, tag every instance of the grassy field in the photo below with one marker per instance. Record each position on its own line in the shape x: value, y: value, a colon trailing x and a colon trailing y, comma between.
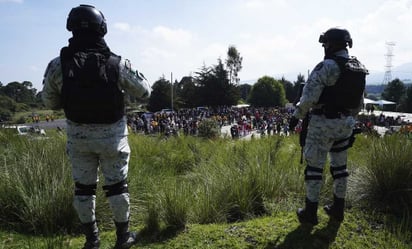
x: 189, y: 192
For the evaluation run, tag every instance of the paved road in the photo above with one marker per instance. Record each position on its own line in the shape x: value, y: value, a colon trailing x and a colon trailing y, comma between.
x: 49, y: 125
x: 225, y: 132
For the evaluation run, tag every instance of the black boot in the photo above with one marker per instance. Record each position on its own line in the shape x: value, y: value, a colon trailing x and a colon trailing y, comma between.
x: 308, y: 215
x: 125, y: 239
x: 92, y: 235
x: 336, y: 210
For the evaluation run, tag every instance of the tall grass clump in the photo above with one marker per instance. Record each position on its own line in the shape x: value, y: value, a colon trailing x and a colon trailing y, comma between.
x: 35, y: 187
x: 185, y: 179
x: 386, y: 183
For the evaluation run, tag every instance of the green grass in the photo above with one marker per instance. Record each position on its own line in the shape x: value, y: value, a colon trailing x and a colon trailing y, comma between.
x: 188, y: 192
x: 279, y: 230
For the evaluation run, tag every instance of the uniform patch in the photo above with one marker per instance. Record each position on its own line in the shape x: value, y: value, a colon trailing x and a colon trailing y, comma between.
x: 318, y: 67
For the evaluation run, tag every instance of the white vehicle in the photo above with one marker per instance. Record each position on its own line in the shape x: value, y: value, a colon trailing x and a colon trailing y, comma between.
x: 23, y: 129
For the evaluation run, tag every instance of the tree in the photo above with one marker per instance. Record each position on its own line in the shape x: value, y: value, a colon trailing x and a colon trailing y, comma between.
x: 394, y: 91
x: 406, y: 101
x: 289, y: 89
x: 233, y: 64
x: 186, y: 93
x: 20, y: 92
x: 244, y: 90
x: 298, y: 87
x: 267, y: 92
x: 8, y: 107
x: 214, y: 88
x: 160, y: 96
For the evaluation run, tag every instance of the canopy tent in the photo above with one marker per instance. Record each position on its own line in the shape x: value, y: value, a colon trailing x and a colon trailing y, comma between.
x: 382, y: 102
x: 368, y: 101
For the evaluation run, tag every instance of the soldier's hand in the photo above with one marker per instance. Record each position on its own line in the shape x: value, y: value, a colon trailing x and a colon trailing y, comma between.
x: 292, y: 123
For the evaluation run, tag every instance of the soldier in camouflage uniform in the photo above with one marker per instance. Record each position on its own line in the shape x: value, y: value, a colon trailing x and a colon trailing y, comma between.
x: 332, y: 95
x: 88, y: 81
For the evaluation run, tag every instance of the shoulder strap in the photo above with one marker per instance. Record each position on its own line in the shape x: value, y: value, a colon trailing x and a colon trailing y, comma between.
x: 341, y: 61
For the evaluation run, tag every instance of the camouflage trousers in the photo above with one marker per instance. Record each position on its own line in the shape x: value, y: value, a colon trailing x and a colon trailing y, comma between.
x: 323, y: 135
x: 110, y: 155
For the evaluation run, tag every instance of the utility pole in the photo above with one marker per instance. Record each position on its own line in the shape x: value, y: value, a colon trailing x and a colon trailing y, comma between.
x: 388, y: 66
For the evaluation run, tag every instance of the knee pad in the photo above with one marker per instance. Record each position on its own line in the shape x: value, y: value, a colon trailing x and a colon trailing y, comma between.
x: 116, y: 189
x: 339, y: 172
x: 313, y: 173
x: 83, y: 189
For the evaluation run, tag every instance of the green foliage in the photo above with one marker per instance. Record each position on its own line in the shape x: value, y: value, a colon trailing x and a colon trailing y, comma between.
x: 214, y: 87
x: 386, y: 181
x: 16, y: 97
x: 233, y: 64
x: 406, y: 102
x: 267, y: 92
x: 186, y: 92
x: 290, y: 93
x: 161, y: 95
x: 244, y: 90
x: 209, y: 128
x: 20, y: 92
x: 394, y: 91
x: 36, y: 185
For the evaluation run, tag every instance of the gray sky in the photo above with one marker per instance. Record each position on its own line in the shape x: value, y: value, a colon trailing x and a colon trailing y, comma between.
x: 274, y: 37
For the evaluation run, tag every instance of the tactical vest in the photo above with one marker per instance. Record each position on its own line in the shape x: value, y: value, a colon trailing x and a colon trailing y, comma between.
x: 348, y: 89
x: 90, y: 94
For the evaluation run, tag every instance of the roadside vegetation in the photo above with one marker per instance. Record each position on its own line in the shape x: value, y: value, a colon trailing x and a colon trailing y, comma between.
x: 189, y: 192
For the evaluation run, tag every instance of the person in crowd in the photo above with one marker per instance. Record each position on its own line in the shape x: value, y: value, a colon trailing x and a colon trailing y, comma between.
x: 333, y: 95
x: 89, y: 82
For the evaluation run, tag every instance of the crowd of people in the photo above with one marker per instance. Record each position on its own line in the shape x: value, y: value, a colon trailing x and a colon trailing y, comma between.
x: 186, y: 121
x: 242, y: 121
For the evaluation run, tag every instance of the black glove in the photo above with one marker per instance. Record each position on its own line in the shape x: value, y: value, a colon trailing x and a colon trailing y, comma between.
x: 292, y: 123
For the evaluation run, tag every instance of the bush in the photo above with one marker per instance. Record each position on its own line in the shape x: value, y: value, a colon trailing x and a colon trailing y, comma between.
x: 36, y: 188
x: 386, y: 181
x: 5, y: 115
x: 209, y: 128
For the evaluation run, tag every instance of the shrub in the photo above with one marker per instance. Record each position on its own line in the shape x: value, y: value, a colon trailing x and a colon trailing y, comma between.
x: 209, y: 128
x: 386, y: 181
x: 36, y: 185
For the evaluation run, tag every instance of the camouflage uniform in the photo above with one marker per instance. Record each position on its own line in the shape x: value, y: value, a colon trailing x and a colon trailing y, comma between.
x: 92, y: 145
x: 323, y: 132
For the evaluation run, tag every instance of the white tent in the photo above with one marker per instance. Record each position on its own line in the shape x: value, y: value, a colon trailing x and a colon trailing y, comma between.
x: 368, y: 101
x: 382, y: 102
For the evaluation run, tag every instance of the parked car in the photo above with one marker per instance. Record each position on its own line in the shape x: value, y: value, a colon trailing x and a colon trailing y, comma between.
x: 24, y: 130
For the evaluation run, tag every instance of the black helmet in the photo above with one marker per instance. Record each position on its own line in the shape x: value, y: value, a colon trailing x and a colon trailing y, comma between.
x: 336, y: 36
x: 86, y: 17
